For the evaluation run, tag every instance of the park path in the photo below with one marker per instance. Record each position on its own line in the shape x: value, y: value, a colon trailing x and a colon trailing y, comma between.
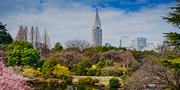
x: 96, y: 77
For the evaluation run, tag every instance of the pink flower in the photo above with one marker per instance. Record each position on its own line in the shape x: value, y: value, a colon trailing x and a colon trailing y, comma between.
x: 11, y: 81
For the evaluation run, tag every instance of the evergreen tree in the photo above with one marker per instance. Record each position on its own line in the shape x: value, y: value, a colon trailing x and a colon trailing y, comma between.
x: 174, y: 18
x: 174, y: 15
x: 58, y: 46
x: 5, y: 37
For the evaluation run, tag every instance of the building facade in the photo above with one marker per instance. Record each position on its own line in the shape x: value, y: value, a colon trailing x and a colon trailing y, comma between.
x: 140, y: 43
x: 151, y: 46
x: 126, y: 42
x: 97, y: 31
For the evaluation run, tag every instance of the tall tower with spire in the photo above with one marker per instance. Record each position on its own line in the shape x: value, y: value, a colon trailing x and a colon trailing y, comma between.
x: 97, y: 31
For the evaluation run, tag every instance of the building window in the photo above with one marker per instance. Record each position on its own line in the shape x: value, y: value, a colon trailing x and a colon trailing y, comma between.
x: 97, y: 27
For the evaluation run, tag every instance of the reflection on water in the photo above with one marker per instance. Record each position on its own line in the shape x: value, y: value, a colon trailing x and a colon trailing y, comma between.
x: 56, y: 86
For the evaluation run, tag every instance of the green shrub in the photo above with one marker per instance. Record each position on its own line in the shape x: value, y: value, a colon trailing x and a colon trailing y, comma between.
x: 48, y: 67
x: 98, y: 72
x: 87, y: 80
x: 81, y: 68
x: 91, y: 72
x: 69, y: 79
x: 113, y: 82
x: 22, y: 53
x: 101, y: 64
x: 80, y: 81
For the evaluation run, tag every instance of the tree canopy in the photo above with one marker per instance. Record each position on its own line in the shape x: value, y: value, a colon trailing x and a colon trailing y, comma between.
x: 58, y: 46
x: 174, y: 16
x: 5, y: 37
x: 22, y: 53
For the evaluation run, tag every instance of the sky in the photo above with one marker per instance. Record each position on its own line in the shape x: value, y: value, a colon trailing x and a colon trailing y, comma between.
x: 73, y: 19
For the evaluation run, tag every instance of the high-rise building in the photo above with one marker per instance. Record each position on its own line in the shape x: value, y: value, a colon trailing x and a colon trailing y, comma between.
x: 139, y: 43
x: 151, y: 46
x: 125, y: 42
x: 97, y: 31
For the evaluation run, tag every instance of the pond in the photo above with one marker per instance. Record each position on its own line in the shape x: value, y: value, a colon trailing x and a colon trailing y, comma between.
x: 63, y: 86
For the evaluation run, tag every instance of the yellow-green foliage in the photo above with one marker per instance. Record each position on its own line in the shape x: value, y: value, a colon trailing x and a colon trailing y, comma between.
x: 32, y: 73
x: 48, y: 67
x: 61, y: 70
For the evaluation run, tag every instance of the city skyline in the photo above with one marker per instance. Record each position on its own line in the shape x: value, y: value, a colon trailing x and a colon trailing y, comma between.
x: 68, y: 20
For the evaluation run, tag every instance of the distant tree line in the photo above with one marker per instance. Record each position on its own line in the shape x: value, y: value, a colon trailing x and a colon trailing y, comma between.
x: 40, y: 43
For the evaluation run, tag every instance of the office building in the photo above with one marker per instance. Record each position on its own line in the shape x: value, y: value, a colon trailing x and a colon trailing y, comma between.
x: 97, y: 31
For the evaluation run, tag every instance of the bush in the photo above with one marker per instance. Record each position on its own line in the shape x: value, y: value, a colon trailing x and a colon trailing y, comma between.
x: 22, y: 53
x: 32, y: 73
x: 80, y: 81
x: 91, y: 72
x: 81, y: 68
x: 61, y: 70
x: 48, y: 67
x: 69, y: 79
x: 87, y: 80
x: 98, y: 72
x: 113, y: 82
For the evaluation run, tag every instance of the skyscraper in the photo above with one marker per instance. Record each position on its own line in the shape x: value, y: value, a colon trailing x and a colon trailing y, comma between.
x: 139, y: 43
x: 97, y: 31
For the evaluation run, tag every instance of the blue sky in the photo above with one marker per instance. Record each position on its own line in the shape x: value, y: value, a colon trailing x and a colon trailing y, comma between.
x: 73, y: 19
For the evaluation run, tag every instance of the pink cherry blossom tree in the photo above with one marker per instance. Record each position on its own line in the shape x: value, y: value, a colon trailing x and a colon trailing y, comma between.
x: 11, y: 81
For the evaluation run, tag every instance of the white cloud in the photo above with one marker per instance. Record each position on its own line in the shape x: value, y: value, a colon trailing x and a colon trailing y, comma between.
x: 75, y: 21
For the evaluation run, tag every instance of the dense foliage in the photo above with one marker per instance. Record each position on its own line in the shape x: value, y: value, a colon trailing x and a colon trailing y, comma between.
x: 80, y: 81
x: 113, y: 82
x: 5, y: 37
x: 61, y: 70
x: 22, y: 53
x: 81, y: 68
x: 32, y: 73
x: 48, y: 67
x: 58, y: 46
x: 87, y: 80
x: 173, y: 38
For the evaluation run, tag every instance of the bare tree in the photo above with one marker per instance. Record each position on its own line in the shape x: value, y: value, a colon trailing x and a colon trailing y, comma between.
x: 81, y: 44
x: 111, y: 55
x: 71, y: 58
x: 128, y: 59
x: 95, y: 58
x: 32, y: 35
x: 45, y: 42
x: 37, y: 39
x: 20, y: 36
x: 153, y: 76
x: 25, y: 33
